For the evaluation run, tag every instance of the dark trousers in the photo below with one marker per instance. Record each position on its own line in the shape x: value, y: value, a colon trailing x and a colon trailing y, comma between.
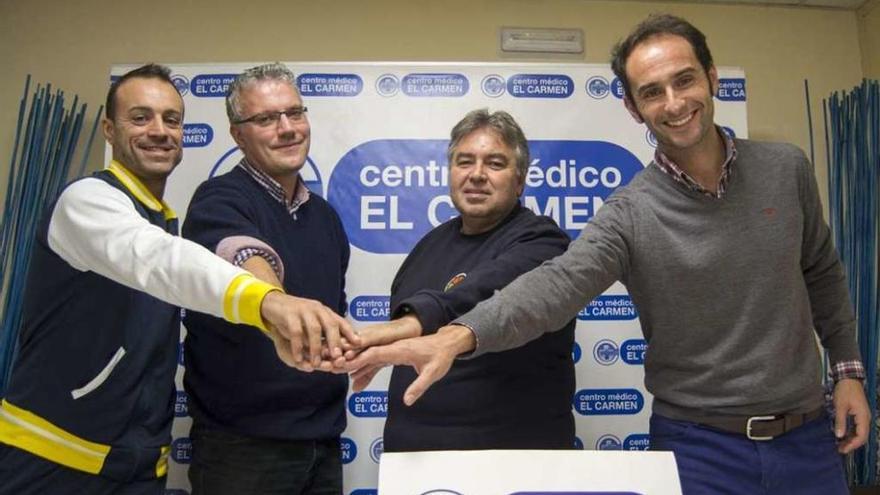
x: 226, y: 463
x: 803, y: 461
x: 22, y: 473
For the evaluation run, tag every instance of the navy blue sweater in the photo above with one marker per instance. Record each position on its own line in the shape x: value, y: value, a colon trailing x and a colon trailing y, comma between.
x: 233, y: 376
x: 518, y: 399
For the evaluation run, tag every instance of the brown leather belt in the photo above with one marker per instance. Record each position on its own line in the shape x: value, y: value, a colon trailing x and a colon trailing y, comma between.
x: 760, y: 427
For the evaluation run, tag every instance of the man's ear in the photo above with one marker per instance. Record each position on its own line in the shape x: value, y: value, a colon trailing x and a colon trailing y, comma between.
x: 631, y: 108
x: 235, y: 132
x: 713, y: 80
x: 107, y: 129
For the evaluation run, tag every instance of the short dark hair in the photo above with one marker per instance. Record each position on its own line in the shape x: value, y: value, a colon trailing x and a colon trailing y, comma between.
x: 656, y: 25
x: 149, y: 71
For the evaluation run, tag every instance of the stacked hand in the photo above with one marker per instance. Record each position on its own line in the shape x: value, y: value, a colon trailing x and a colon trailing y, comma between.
x: 399, y: 342
x: 304, y: 331
x: 310, y: 336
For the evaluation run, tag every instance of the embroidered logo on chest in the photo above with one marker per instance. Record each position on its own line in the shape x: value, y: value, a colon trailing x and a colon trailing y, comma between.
x: 454, y: 281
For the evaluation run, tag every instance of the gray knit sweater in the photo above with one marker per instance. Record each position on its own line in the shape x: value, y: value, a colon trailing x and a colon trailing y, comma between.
x: 729, y: 291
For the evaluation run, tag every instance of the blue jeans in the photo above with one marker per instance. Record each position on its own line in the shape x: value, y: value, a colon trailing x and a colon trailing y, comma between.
x: 225, y: 463
x: 803, y: 461
x: 22, y: 473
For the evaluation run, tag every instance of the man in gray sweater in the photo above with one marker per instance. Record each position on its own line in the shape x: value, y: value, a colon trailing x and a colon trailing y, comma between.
x: 722, y: 245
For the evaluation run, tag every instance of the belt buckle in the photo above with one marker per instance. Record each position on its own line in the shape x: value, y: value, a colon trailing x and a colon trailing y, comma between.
x: 749, y: 427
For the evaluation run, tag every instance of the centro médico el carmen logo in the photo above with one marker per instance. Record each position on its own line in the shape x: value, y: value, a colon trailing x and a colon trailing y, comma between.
x: 605, y: 352
x: 180, y: 404
x: 376, y: 449
x: 309, y: 172
x: 181, y: 83
x: 368, y: 404
x: 370, y: 308
x: 608, y: 442
x: 616, y: 307
x: 540, y: 86
x: 387, y: 85
x: 347, y: 449
x: 435, y: 85
x: 389, y: 193
x: 597, y: 87
x: 608, y: 401
x: 197, y: 135
x: 181, y: 450
x: 493, y: 85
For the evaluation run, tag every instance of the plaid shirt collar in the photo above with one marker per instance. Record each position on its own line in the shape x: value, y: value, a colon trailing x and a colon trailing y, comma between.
x: 682, y: 177
x: 300, y: 195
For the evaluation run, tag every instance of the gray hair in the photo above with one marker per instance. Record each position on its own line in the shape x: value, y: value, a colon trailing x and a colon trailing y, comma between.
x: 266, y: 72
x: 500, y: 122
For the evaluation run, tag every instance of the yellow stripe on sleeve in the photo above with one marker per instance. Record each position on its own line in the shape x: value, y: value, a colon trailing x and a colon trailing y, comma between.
x: 27, y: 431
x: 162, y: 463
x: 243, y: 298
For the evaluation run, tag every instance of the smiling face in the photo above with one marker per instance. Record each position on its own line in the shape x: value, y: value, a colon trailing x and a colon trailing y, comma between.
x: 146, y: 130
x: 483, y: 180
x: 279, y: 149
x: 672, y: 94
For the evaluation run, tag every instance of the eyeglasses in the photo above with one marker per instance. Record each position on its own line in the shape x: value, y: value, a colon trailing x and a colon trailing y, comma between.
x: 266, y: 119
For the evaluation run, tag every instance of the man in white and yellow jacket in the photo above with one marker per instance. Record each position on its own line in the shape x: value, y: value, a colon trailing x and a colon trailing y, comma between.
x: 89, y: 404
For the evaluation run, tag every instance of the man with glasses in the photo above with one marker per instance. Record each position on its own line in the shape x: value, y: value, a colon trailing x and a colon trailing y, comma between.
x: 258, y: 425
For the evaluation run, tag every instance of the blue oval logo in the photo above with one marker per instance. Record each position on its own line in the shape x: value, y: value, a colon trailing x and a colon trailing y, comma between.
x: 197, y: 135
x: 329, y: 84
x: 576, y: 353
x: 608, y: 442
x: 608, y: 401
x: 650, y: 138
x: 619, y: 307
x: 540, y: 86
x: 309, y: 172
x: 731, y: 89
x: 389, y: 193
x: 605, y: 352
x: 597, y: 87
x: 387, y: 85
x: 181, y: 450
x: 181, y: 83
x: 370, y: 308
x: 435, y: 85
x: 347, y: 449
x: 180, y: 407
x: 211, y: 85
x: 637, y: 441
x: 376, y: 449
x: 364, y: 491
x: 633, y: 351
x: 617, y: 88
x: 368, y: 404
x: 493, y: 85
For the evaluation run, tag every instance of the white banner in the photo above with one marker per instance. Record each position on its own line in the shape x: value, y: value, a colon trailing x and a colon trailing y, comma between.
x: 378, y: 154
x: 529, y: 472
